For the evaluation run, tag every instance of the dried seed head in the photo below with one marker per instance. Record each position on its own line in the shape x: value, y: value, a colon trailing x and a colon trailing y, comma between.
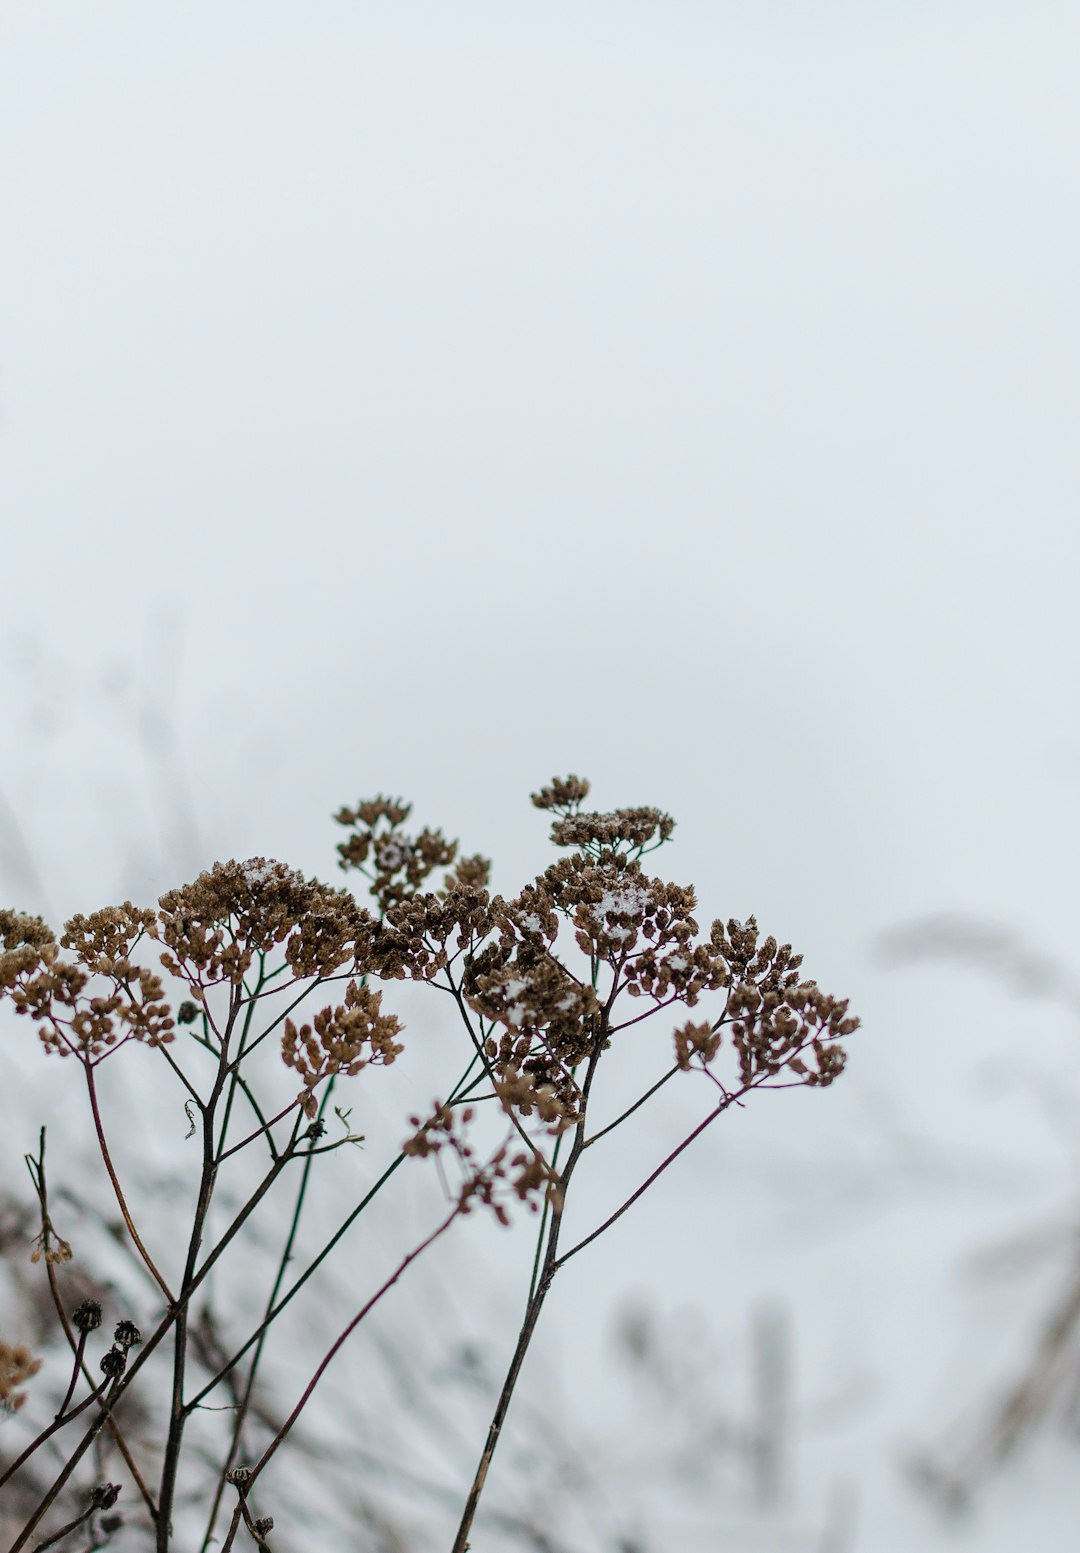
x: 238, y: 1476
x: 264, y: 1525
x: 44, y: 1246
x: 187, y: 1013
x: 87, y: 1316
x: 104, y: 1496
x: 695, y: 1040
x: 127, y: 1334
x: 340, y: 1040
x: 561, y: 793
x: 114, y: 1363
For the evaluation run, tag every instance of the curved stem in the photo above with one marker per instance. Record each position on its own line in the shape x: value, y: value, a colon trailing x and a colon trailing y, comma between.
x: 88, y: 1069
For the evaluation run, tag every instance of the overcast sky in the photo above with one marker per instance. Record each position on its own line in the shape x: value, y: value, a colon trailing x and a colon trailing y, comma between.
x: 433, y: 398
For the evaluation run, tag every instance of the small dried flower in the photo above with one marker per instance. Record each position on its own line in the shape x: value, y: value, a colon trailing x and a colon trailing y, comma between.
x: 104, y: 1496
x: 187, y: 1013
x: 44, y: 1246
x: 127, y: 1334
x: 696, y: 1040
x: 238, y: 1476
x: 264, y: 1525
x: 87, y: 1316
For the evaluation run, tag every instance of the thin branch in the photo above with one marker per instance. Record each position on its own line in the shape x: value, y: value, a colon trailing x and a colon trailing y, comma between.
x: 670, y: 1160
x: 342, y: 1229
x: 103, y: 1146
x: 384, y: 1288
x: 631, y: 1109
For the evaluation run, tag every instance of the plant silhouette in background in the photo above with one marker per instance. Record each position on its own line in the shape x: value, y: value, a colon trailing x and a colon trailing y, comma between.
x: 1043, y: 1393
x: 252, y: 975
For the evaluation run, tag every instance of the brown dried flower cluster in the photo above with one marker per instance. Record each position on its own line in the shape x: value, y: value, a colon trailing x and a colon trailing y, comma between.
x: 214, y: 928
x: 642, y: 928
x: 396, y: 864
x: 549, y: 1020
x: 17, y: 1365
x: 562, y: 793
x: 420, y: 935
x: 344, y: 1040
x: 775, y: 1016
x: 23, y: 944
x: 636, y: 829
x: 522, y: 1175
x: 527, y: 1094
x: 695, y: 1040
x: 51, y: 1248
x: 76, y: 1014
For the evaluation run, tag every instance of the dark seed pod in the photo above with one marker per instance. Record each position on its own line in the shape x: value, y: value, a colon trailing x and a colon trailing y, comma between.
x: 114, y: 1363
x: 87, y: 1316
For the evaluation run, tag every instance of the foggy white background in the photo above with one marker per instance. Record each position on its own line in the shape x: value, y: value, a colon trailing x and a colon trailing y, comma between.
x: 434, y: 398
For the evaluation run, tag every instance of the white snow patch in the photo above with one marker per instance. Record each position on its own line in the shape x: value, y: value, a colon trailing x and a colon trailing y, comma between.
x: 263, y: 870
x: 391, y: 854
x: 624, y: 898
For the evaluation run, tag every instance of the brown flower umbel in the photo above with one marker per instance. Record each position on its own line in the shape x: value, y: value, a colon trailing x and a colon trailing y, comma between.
x: 213, y: 930
x: 87, y: 1004
x: 264, y: 967
x: 340, y: 1040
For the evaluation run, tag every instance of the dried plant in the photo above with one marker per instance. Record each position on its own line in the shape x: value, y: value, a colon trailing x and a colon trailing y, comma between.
x: 1045, y: 1390
x: 213, y: 982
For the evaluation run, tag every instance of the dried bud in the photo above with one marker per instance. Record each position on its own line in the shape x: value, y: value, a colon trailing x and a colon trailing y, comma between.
x: 264, y: 1525
x: 87, y: 1316
x: 127, y: 1334
x: 187, y: 1013
x: 238, y: 1476
x: 59, y: 1253
x: 114, y: 1363
x: 104, y: 1496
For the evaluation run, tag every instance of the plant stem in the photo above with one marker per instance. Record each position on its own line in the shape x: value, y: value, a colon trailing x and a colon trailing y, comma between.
x: 671, y: 1158
x: 384, y: 1288
x: 536, y: 1299
x: 88, y: 1068
x: 69, y: 1467
x: 177, y: 1412
x: 249, y: 1384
